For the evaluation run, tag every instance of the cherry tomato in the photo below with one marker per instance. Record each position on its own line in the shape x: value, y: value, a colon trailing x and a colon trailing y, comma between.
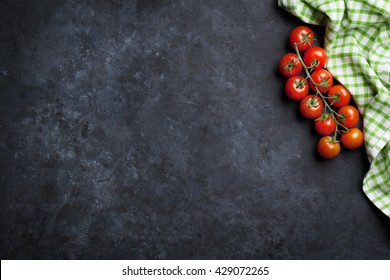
x: 289, y: 65
x: 325, y: 125
x: 328, y: 147
x: 349, y: 116
x: 352, y: 139
x: 340, y: 94
x: 303, y: 36
x: 323, y: 79
x: 311, y: 106
x: 315, y: 57
x: 296, y: 88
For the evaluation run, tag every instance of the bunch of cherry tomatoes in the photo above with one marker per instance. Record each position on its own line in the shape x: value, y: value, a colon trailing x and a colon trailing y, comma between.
x: 327, y: 104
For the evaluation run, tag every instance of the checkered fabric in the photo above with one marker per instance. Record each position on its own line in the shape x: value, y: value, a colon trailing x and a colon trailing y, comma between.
x: 357, y: 40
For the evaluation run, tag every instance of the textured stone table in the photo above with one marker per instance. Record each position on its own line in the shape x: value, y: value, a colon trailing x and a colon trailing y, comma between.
x: 159, y: 129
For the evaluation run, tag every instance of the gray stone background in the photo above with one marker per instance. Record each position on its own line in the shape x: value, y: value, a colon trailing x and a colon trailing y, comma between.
x: 159, y: 129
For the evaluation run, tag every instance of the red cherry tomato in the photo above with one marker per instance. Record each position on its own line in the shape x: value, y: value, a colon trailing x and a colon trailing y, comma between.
x: 352, y: 139
x: 328, y: 147
x: 349, y: 116
x: 289, y: 65
x: 340, y: 94
x: 323, y: 79
x: 311, y: 106
x: 296, y: 88
x: 303, y: 36
x: 325, y: 125
x: 315, y: 57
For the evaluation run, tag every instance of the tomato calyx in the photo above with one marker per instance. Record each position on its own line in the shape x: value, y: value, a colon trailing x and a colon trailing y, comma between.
x: 323, y: 117
x: 312, y: 103
x: 291, y: 65
x: 306, y: 38
x: 342, y: 116
x: 332, y: 139
x: 314, y: 64
x: 300, y: 83
x: 335, y: 98
x: 324, y: 83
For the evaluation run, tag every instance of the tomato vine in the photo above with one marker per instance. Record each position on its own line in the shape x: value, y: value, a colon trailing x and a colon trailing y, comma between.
x: 324, y: 98
x: 322, y: 104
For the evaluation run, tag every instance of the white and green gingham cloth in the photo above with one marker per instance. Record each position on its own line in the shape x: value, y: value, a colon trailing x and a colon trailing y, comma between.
x: 357, y: 40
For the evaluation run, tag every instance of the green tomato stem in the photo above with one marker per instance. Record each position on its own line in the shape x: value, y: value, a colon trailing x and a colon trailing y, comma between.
x: 333, y: 113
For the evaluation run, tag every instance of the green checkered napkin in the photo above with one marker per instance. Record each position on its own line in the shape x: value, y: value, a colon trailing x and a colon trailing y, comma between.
x: 357, y: 40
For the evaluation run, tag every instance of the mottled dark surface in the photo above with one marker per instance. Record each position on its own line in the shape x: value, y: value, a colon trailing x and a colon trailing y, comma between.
x: 159, y: 129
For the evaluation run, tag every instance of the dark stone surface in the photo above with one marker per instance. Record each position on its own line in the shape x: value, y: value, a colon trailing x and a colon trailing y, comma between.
x: 159, y: 129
